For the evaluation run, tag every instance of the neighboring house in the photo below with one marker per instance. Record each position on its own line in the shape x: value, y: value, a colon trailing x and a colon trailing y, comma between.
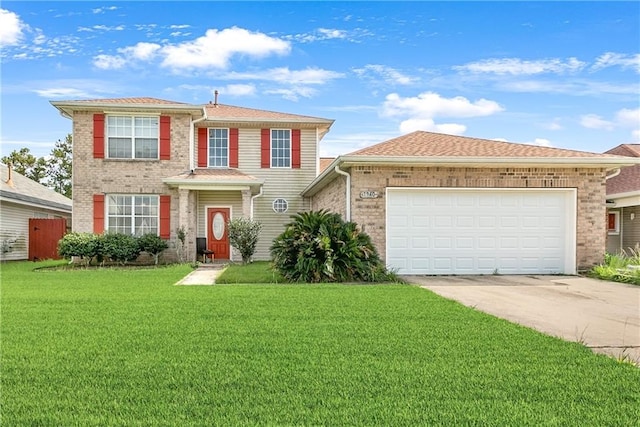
x: 443, y: 204
x: 22, y: 200
x: 146, y: 165
x: 623, y: 203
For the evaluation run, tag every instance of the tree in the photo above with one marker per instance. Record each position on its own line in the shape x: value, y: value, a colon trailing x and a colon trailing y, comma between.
x: 59, y: 167
x: 53, y: 171
x: 25, y: 163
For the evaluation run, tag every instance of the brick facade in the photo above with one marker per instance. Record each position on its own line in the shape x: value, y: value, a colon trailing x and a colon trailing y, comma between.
x: 370, y: 213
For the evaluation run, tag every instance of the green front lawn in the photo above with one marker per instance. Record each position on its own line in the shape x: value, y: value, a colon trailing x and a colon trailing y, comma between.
x: 126, y: 347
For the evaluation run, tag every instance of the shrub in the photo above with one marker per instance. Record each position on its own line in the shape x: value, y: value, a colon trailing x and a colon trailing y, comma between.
x: 86, y: 246
x: 243, y: 235
x: 120, y: 248
x: 318, y: 246
x: 153, y: 245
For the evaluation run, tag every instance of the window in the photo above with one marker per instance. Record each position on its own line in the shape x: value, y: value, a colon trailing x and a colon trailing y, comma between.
x: 280, y: 148
x: 130, y: 137
x: 219, y: 147
x: 135, y: 215
x: 613, y: 222
x: 280, y: 205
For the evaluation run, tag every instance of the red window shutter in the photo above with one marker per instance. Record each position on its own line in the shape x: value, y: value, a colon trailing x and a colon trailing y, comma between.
x: 165, y: 137
x: 265, y: 148
x: 98, y: 213
x: 98, y: 136
x: 295, y: 148
x: 203, y: 144
x: 165, y: 217
x: 233, y: 148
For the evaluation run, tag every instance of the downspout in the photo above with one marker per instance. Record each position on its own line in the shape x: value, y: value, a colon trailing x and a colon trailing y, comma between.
x: 347, y: 193
x: 192, y: 131
x: 253, y: 198
x: 317, y: 153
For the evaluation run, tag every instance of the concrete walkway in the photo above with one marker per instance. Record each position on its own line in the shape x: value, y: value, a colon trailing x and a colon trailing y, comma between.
x: 202, y: 276
x: 604, y: 316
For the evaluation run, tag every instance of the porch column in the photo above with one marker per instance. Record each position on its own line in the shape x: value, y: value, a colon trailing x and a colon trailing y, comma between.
x: 187, y: 219
x: 246, y: 203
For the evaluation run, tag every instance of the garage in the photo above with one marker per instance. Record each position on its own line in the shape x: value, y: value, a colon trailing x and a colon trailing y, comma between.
x: 481, y: 231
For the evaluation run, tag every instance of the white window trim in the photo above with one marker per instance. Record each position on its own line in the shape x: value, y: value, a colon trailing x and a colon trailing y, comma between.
x: 133, y: 216
x: 273, y: 205
x: 133, y: 145
x: 615, y: 231
x: 209, y: 148
x: 271, y: 148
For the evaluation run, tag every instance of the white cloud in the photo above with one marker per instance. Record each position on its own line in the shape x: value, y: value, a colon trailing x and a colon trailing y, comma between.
x: 594, y: 121
x: 63, y: 92
x: 213, y: 50
x: 142, y: 51
x: 431, y: 105
x: 238, y: 90
x: 411, y: 125
x: 109, y: 62
x: 626, y: 117
x: 419, y: 112
x: 542, y: 142
x: 389, y: 75
x: 179, y: 27
x: 293, y: 93
x: 11, y: 28
x: 575, y: 87
x: 517, y: 66
x: 553, y: 125
x: 103, y: 9
x: 611, y: 59
x: 216, y: 48
x: 636, y: 134
x: 329, y: 34
x: 307, y: 76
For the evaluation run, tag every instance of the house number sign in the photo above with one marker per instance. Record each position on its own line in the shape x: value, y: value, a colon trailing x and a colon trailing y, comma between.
x: 368, y: 194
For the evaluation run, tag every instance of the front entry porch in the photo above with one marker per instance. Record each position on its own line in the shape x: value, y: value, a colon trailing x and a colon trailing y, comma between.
x: 207, y: 200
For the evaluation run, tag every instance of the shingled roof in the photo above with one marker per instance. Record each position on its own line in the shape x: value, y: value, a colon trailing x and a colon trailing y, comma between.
x: 430, y: 144
x: 23, y: 190
x: 628, y: 180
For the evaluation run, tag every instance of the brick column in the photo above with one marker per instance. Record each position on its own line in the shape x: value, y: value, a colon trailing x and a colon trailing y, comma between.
x: 186, y: 219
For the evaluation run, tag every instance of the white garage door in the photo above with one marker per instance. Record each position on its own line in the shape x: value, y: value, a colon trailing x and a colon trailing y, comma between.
x: 481, y: 231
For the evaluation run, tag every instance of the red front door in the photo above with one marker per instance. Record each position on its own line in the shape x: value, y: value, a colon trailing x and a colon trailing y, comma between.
x: 217, y: 233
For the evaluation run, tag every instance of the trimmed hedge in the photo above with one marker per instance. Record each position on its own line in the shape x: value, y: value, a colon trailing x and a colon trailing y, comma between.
x: 116, y: 247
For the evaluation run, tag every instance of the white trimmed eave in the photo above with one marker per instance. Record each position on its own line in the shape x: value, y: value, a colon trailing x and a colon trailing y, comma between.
x: 608, y: 163
x: 67, y: 108
x: 211, y: 185
x: 623, y: 200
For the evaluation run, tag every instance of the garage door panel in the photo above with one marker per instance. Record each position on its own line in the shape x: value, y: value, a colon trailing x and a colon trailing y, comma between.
x: 480, y: 231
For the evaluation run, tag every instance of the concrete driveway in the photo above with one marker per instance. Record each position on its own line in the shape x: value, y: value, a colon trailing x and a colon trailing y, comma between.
x: 604, y: 316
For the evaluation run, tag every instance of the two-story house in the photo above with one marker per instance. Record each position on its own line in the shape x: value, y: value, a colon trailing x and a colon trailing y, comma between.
x: 146, y: 165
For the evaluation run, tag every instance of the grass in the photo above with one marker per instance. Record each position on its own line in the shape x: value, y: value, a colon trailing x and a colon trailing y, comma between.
x: 255, y: 272
x: 125, y: 347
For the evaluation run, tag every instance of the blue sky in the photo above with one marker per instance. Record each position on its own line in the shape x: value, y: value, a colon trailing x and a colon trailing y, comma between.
x: 561, y: 74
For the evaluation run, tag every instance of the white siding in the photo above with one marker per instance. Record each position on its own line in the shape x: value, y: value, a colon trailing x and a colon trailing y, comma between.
x: 14, y: 228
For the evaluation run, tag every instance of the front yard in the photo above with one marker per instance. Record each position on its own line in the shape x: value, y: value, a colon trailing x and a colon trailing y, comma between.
x: 126, y: 347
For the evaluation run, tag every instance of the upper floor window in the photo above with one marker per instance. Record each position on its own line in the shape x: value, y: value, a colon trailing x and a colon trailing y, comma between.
x: 280, y: 148
x: 218, y: 147
x: 129, y: 214
x: 132, y: 137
